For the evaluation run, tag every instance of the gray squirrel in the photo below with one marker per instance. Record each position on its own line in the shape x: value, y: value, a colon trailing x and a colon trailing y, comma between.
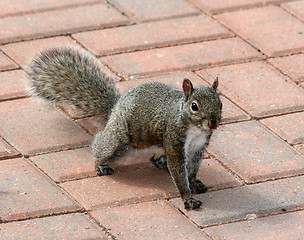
x: 178, y: 124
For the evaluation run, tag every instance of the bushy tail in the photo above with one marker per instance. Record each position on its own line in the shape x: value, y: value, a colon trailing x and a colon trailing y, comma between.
x: 73, y: 76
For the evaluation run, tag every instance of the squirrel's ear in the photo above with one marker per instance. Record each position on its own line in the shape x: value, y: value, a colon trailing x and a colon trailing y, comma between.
x: 215, y: 83
x: 188, y: 88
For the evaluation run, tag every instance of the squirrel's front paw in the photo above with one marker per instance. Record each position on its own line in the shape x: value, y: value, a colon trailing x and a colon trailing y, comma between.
x: 192, y: 203
x: 198, y: 187
x: 104, y: 170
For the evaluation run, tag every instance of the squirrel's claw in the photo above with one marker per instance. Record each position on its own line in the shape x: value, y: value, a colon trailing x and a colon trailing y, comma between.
x: 104, y: 170
x: 192, y: 203
x: 198, y: 187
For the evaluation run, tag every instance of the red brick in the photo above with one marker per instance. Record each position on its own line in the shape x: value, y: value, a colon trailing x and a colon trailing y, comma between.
x: 7, y: 151
x: 254, y: 153
x: 24, y: 52
x: 13, y: 84
x: 292, y: 66
x: 300, y: 148
x: 6, y: 63
x: 69, y: 226
x: 236, y: 204
x: 18, y: 7
x: 72, y: 111
x: 270, y: 29
x: 230, y: 111
x: 147, y: 35
x: 21, y: 193
x: 155, y: 9
x: 296, y: 8
x: 257, y: 88
x: 34, y: 127
x: 129, y: 184
x: 152, y: 220
x: 215, y: 176
x: 192, y: 56
x: 67, y: 165
x: 56, y: 22
x: 218, y: 6
x: 92, y: 124
x: 279, y: 227
x: 174, y: 79
x: 289, y: 127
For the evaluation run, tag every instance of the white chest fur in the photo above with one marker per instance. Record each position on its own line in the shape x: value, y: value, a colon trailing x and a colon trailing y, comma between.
x: 195, y: 140
x: 153, y: 151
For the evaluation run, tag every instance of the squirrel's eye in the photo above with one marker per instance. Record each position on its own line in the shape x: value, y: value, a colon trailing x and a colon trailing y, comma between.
x: 194, y: 107
x: 221, y: 106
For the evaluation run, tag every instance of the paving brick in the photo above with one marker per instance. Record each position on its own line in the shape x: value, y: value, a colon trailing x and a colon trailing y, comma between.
x: 271, y: 29
x: 24, y: 52
x: 13, y: 84
x: 9, y: 8
x: 155, y: 9
x: 292, y: 66
x: 296, y: 8
x: 215, y: 176
x: 7, y: 151
x: 147, y: 35
x: 67, y: 165
x: 72, y: 111
x: 56, y: 22
x: 289, y: 127
x: 254, y: 153
x: 151, y: 220
x: 263, y: 93
x: 79, y: 163
x: 237, y: 203
x: 92, y: 124
x: 174, y: 79
x: 21, y: 193
x: 69, y: 226
x: 6, y: 63
x: 300, y: 148
x: 218, y: 6
x: 34, y: 127
x: 129, y: 184
x: 230, y: 111
x: 191, y: 56
x: 280, y: 227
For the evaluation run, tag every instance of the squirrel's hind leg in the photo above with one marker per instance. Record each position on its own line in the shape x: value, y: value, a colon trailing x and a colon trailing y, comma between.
x: 108, y: 147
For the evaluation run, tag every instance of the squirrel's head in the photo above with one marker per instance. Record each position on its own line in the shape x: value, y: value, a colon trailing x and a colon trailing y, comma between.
x: 202, y: 105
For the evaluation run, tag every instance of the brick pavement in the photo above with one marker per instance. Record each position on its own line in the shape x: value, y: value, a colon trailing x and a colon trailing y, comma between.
x: 254, y: 165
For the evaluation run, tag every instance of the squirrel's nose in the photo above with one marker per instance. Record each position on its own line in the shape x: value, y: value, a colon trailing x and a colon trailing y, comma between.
x: 212, y: 124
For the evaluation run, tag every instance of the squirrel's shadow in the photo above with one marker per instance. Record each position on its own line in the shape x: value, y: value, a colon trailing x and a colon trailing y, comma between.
x: 144, y: 176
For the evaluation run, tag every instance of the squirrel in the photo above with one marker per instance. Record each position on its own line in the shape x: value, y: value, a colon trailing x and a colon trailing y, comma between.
x: 178, y: 122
